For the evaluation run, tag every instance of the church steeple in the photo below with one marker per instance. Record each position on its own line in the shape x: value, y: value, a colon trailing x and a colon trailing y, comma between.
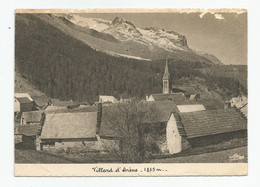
x: 166, y: 79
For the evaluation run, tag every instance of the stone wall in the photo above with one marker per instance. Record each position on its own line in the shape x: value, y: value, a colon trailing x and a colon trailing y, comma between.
x: 79, y: 146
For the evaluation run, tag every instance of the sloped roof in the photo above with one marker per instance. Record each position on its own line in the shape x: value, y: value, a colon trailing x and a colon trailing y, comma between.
x: 107, y: 98
x: 209, y: 122
x: 32, y: 116
x: 19, y: 95
x: 57, y: 102
x: 239, y: 101
x: 23, y: 100
x: 244, y: 109
x: 69, y: 126
x: 55, y: 109
x: 27, y: 130
x: 40, y: 100
x: 83, y: 108
x: 177, y: 98
x: 162, y: 113
x: 190, y: 108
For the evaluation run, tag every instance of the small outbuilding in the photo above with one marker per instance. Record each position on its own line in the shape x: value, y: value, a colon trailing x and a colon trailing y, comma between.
x: 22, y: 104
x: 25, y: 136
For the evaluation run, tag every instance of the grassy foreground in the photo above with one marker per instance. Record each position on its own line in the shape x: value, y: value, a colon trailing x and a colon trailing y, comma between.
x: 32, y: 156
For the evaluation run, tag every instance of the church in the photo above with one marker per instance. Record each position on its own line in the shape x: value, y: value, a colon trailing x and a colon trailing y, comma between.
x: 178, y: 95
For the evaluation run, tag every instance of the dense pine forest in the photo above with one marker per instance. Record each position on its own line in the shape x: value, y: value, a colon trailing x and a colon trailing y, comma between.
x: 65, y: 68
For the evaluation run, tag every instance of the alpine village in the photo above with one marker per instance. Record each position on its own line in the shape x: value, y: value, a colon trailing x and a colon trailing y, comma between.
x: 89, y: 90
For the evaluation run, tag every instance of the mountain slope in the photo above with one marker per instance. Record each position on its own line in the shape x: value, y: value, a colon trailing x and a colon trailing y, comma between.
x: 211, y: 57
x: 150, y: 43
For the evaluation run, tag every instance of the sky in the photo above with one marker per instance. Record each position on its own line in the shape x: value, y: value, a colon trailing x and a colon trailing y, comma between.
x: 218, y: 33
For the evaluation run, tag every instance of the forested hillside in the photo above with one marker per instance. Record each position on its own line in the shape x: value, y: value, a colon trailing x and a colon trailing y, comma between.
x: 65, y: 68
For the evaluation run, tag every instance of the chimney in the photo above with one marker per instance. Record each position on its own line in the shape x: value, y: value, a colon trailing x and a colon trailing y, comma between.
x: 99, y: 117
x: 227, y: 105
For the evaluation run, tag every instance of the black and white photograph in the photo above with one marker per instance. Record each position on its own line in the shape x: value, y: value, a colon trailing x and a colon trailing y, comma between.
x: 131, y: 87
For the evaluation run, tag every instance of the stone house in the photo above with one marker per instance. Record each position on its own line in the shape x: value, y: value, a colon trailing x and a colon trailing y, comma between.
x: 76, y: 132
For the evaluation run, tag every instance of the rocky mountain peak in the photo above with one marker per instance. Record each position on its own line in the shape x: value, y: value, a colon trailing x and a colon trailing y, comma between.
x: 118, y: 21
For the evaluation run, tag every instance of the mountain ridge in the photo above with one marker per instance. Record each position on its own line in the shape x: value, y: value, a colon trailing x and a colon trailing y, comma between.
x: 149, y: 43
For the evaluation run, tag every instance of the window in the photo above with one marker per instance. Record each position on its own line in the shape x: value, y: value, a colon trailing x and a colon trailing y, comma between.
x: 165, y: 84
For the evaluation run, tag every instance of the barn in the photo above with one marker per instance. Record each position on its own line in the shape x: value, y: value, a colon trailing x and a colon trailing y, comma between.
x: 204, y: 127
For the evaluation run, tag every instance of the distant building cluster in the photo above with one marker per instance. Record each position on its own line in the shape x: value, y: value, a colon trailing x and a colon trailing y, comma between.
x: 49, y: 124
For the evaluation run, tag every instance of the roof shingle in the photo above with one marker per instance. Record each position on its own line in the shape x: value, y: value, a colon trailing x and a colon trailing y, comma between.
x: 177, y: 98
x: 23, y: 100
x: 40, y: 100
x: 209, y: 122
x: 27, y: 130
x: 69, y: 126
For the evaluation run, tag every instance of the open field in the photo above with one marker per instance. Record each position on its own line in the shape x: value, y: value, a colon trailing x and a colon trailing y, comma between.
x: 32, y: 156
x: 214, y: 157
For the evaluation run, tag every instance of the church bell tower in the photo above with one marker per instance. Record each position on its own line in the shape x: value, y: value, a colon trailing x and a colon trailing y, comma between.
x: 166, y: 80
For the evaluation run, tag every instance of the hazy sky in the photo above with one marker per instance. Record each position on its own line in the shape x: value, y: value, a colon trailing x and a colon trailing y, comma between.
x: 221, y: 34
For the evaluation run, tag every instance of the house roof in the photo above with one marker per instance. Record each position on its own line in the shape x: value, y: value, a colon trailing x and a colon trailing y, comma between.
x: 55, y: 109
x: 69, y: 126
x: 57, y: 102
x: 238, y: 101
x: 32, y: 116
x: 35, y: 116
x: 177, y: 98
x: 108, y: 98
x: 244, y: 109
x: 162, y: 113
x: 190, y: 108
x: 27, y: 130
x: 163, y: 110
x: 19, y: 95
x: 23, y: 99
x: 209, y: 122
x: 40, y: 100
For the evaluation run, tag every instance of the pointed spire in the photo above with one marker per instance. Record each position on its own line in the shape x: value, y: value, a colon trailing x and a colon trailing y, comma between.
x: 166, y: 74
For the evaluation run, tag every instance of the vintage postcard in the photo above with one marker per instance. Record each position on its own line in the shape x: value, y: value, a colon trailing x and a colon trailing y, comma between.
x: 131, y: 92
